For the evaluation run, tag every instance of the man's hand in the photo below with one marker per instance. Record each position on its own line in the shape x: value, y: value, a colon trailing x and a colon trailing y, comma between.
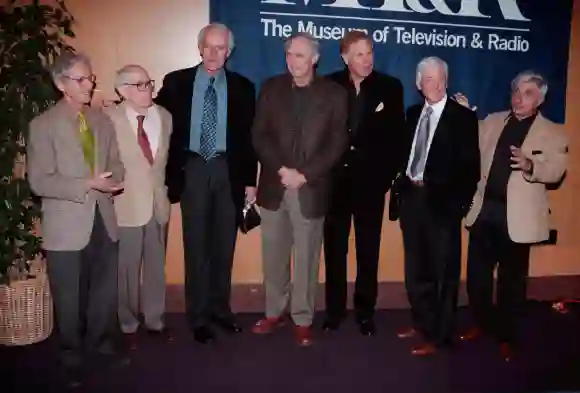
x: 519, y: 161
x: 291, y: 178
x: 462, y: 100
x: 250, y: 194
x: 104, y: 183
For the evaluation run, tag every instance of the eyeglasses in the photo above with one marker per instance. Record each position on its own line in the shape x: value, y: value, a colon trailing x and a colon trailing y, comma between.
x: 80, y: 79
x: 142, y: 86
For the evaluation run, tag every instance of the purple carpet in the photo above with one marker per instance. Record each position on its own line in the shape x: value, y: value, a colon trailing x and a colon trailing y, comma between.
x: 341, y: 362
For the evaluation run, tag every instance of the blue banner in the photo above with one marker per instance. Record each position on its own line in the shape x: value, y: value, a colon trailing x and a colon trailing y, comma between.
x: 485, y: 42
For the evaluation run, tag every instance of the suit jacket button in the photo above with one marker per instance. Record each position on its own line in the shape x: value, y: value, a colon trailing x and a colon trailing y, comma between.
x: 352, y: 147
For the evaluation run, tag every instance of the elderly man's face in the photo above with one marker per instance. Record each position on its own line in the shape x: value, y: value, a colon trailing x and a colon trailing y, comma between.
x: 433, y: 83
x: 214, y: 49
x: 300, y: 57
x: 526, y: 98
x: 77, y: 83
x: 138, y: 89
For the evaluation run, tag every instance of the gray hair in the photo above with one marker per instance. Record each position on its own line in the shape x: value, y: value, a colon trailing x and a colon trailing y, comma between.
x: 315, y: 45
x: 217, y: 26
x: 430, y: 62
x: 122, y: 76
x: 64, y: 62
x: 531, y: 76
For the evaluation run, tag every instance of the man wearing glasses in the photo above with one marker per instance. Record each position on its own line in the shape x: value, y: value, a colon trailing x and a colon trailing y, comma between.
x: 74, y: 166
x: 143, y: 130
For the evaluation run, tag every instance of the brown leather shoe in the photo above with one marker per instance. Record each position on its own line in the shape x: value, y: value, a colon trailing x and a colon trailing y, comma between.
x: 131, y: 340
x: 303, y: 336
x: 506, y: 351
x: 472, y: 334
x: 407, y: 333
x: 268, y: 325
x: 424, y: 349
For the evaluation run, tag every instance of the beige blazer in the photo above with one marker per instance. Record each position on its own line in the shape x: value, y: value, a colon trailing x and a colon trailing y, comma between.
x: 58, y: 173
x: 145, y: 193
x: 527, y: 199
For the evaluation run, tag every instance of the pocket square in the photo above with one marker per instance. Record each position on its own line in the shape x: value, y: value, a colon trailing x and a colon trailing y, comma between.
x: 379, y: 107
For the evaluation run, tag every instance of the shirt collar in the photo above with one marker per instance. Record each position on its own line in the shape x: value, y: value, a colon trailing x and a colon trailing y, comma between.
x: 202, y: 72
x: 131, y: 113
x: 437, y: 107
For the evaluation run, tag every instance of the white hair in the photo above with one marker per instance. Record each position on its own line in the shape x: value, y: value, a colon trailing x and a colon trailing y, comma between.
x: 122, y: 76
x: 531, y: 76
x: 431, y: 61
x: 314, y: 44
x: 64, y: 62
x: 217, y: 26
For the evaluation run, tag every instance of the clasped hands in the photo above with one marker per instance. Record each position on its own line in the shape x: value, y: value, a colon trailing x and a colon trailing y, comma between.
x: 104, y: 183
x: 291, y: 178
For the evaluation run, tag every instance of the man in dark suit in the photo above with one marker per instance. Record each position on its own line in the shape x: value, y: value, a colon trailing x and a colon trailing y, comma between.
x: 434, y: 192
x: 376, y: 124
x: 212, y: 170
x: 299, y: 135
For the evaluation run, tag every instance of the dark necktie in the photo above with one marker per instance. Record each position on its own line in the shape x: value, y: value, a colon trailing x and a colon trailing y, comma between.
x: 420, y: 153
x: 207, y: 142
x: 143, y: 140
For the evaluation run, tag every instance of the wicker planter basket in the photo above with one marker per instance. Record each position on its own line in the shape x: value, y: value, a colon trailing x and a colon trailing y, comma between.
x: 26, y: 309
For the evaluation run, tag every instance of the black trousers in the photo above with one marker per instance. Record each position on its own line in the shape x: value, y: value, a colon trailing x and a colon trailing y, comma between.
x: 489, y: 247
x: 432, y: 244
x: 84, y: 290
x: 209, y: 237
x: 350, y: 201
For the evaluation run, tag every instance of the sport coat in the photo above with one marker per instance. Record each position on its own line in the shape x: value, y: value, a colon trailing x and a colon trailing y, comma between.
x: 312, y: 146
x: 176, y: 96
x: 145, y: 193
x: 58, y: 173
x: 546, y: 145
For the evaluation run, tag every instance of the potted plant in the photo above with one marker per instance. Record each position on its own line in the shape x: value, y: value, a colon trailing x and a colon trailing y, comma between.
x: 31, y: 35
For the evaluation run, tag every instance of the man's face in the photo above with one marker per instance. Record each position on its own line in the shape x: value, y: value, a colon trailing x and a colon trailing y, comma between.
x: 300, y: 57
x: 433, y: 83
x: 138, y: 89
x: 214, y: 49
x: 526, y: 98
x: 77, y: 83
x: 359, y: 58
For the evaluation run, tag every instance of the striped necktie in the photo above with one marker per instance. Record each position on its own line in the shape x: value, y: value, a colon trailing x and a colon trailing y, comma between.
x: 207, y: 141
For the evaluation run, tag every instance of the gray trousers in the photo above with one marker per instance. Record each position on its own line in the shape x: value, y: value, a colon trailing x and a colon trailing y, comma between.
x: 283, y: 231
x: 84, y: 289
x: 141, y: 276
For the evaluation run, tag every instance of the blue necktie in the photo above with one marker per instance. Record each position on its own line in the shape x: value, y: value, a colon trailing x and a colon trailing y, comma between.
x: 207, y: 142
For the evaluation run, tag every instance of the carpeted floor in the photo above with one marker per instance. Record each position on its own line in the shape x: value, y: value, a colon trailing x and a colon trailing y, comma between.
x: 340, y: 362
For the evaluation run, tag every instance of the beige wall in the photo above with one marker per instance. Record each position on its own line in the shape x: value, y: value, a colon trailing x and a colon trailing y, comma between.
x: 161, y: 35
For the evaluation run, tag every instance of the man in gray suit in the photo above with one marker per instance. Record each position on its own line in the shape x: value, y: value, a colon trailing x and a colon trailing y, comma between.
x: 74, y: 166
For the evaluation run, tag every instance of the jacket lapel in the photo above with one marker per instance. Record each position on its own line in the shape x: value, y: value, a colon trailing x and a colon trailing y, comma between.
x: 164, y: 133
x: 127, y: 134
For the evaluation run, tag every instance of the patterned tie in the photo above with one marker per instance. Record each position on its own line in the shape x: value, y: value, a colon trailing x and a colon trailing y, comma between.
x: 207, y: 142
x: 143, y: 140
x: 87, y: 139
x: 420, y: 154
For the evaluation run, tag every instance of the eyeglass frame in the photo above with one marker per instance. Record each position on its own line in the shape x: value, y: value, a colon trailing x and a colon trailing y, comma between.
x: 142, y: 86
x: 80, y: 79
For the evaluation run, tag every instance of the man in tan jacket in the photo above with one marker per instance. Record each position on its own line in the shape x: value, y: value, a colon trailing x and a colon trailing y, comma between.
x: 143, y: 130
x: 521, y: 152
x: 74, y: 166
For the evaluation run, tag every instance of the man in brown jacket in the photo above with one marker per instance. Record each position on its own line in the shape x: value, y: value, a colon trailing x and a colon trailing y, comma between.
x: 299, y: 133
x: 521, y: 152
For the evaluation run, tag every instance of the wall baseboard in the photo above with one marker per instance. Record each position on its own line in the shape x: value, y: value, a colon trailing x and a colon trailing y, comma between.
x: 250, y: 297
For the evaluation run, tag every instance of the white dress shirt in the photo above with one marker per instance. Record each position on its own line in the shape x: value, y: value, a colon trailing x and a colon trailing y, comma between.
x: 151, y: 125
x: 434, y: 121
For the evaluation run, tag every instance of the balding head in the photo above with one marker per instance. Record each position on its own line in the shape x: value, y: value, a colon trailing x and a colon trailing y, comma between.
x: 135, y: 86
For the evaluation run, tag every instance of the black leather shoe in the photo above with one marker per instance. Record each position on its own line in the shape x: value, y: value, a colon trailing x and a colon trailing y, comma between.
x: 331, y: 324
x: 203, y: 335
x: 164, y: 334
x: 228, y: 325
x: 367, y: 327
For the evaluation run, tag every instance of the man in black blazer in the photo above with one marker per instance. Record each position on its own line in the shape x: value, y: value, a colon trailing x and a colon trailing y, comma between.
x: 212, y: 170
x: 376, y: 122
x: 434, y: 191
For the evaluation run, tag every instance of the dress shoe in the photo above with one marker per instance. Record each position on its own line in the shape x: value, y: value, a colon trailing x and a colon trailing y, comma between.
x: 268, y: 325
x: 331, y: 324
x: 228, y: 325
x: 407, y: 333
x: 73, y: 377
x: 303, y: 336
x: 424, y: 349
x: 131, y: 340
x: 203, y: 335
x: 367, y: 327
x: 472, y: 334
x: 506, y: 351
x: 163, y: 333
